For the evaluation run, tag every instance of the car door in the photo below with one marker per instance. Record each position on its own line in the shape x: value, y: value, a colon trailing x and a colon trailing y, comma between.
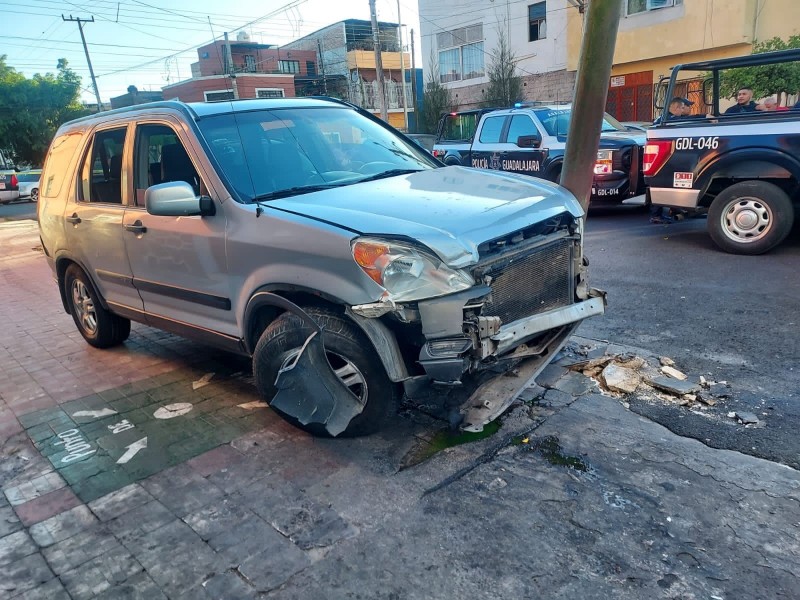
x: 178, y: 263
x: 524, y: 155
x: 94, y: 214
x: 487, y: 151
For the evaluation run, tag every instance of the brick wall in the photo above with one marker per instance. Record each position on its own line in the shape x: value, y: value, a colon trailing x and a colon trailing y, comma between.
x: 192, y: 90
x: 548, y: 87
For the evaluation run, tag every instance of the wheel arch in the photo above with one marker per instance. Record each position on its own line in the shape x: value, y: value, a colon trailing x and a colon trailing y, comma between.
x: 265, y: 305
x: 62, y: 263
x: 722, y: 171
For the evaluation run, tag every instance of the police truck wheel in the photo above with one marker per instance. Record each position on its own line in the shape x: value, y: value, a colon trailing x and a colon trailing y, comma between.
x: 98, y: 326
x: 750, y: 217
x: 349, y: 353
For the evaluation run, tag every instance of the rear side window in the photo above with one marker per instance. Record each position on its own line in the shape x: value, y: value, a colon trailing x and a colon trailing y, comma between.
x: 459, y: 127
x: 492, y: 128
x: 57, y: 163
x: 101, y: 174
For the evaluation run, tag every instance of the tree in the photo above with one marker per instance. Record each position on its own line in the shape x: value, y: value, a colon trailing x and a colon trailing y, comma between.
x: 765, y: 80
x: 505, y: 86
x: 31, y: 110
x: 436, y: 100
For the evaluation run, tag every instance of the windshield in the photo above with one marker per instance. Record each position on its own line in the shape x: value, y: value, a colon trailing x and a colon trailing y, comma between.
x: 272, y: 153
x: 556, y: 121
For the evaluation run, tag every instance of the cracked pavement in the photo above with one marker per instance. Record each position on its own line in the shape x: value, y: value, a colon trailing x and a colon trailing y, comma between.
x: 574, y: 497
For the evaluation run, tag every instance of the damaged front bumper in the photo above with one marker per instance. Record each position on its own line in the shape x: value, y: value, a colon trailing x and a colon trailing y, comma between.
x: 446, y: 360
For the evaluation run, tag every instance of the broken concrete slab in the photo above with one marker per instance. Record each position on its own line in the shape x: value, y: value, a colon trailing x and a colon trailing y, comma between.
x: 746, y: 417
x: 621, y: 379
x: 550, y: 375
x: 674, y: 373
x: 674, y: 386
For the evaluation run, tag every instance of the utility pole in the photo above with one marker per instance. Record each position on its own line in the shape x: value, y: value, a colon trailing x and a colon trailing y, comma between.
x: 591, y: 90
x: 80, y: 22
x: 402, y: 67
x: 229, y: 70
x: 378, y: 61
x: 414, y: 84
x: 322, y: 67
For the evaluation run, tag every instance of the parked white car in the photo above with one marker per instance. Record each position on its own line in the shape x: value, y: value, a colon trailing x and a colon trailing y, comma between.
x: 28, y: 184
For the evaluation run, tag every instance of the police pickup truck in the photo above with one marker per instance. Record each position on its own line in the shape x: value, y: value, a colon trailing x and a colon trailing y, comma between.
x: 742, y: 165
x: 530, y: 139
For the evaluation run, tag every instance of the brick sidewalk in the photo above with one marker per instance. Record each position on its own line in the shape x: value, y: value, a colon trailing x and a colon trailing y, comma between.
x: 214, y: 505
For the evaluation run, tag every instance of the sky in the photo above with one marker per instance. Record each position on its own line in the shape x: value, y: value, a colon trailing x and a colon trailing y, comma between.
x: 152, y: 43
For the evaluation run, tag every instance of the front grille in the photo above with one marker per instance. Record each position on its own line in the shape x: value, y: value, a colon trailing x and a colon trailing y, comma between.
x: 529, y: 283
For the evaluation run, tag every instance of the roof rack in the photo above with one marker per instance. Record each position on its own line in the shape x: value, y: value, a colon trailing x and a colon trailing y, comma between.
x: 531, y: 103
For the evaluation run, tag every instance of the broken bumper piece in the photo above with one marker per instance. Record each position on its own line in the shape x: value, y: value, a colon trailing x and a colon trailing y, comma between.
x: 308, y: 388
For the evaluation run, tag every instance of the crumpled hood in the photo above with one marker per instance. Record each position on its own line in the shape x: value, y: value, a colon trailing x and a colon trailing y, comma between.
x: 451, y: 210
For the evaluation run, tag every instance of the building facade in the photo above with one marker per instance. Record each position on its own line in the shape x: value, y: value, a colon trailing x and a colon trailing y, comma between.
x: 655, y: 35
x: 458, y: 38
x: 346, y: 52
x: 244, y: 69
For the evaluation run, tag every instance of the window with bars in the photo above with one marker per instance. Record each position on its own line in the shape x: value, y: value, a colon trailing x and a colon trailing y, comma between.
x: 289, y: 66
x: 269, y: 93
x: 218, y: 96
x: 537, y: 21
x: 249, y: 63
x: 461, y: 54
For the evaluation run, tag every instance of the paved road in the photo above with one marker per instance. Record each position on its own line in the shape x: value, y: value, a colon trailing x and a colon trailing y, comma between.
x: 17, y: 210
x: 672, y: 292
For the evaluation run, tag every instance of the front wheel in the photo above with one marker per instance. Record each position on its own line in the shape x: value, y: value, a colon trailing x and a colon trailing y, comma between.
x: 750, y: 217
x: 98, y: 326
x: 350, y: 355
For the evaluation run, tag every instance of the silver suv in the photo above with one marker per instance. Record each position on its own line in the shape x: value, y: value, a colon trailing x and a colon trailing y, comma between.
x: 318, y: 240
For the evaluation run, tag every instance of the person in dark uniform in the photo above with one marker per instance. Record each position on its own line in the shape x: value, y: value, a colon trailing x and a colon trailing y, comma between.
x: 744, y: 102
x: 678, y: 107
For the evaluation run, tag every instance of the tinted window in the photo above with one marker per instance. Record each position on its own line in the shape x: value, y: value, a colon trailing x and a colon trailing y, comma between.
x: 268, y: 151
x: 27, y: 177
x: 556, y: 121
x: 56, y: 167
x: 492, y: 127
x: 101, y: 174
x: 520, y: 125
x: 459, y: 127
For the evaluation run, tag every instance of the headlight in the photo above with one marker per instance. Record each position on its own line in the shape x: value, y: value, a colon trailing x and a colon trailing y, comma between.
x: 406, y: 272
x: 604, y: 164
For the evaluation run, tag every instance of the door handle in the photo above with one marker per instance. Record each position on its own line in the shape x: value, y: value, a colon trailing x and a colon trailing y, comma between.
x: 74, y: 219
x: 137, y: 227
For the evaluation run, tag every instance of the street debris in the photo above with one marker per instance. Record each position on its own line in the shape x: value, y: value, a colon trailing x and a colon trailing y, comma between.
x: 746, y: 417
x: 621, y: 379
x: 673, y: 372
x: 652, y: 378
x: 674, y: 386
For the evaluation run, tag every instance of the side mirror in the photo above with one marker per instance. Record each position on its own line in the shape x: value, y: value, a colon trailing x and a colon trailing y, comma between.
x: 529, y: 141
x: 177, y: 199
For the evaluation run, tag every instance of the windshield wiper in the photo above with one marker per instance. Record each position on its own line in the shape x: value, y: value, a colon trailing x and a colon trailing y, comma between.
x: 387, y: 174
x: 294, y: 191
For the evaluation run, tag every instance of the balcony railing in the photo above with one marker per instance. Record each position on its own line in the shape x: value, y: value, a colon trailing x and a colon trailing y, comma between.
x: 365, y: 94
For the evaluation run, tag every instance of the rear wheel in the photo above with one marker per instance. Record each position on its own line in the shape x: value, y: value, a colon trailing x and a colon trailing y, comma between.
x: 350, y: 355
x: 750, y: 217
x: 98, y: 326
x: 35, y: 195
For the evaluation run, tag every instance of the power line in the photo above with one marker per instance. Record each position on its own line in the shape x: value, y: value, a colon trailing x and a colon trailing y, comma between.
x: 80, y: 22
